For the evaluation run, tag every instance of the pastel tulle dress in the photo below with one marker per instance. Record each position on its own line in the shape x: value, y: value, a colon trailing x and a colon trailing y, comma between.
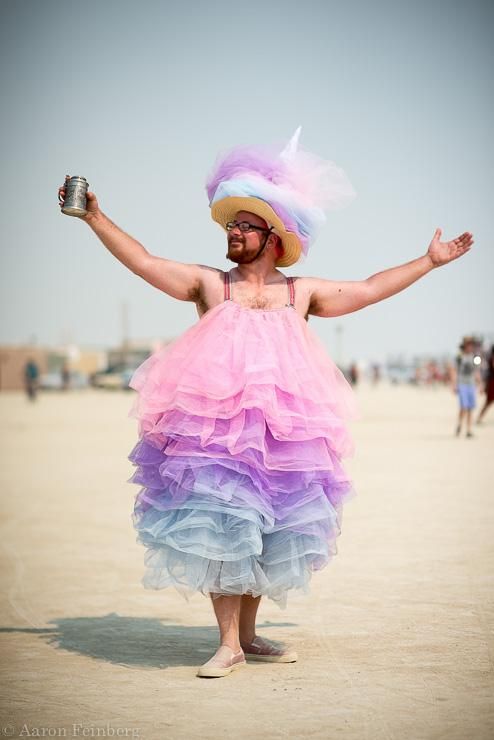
x: 242, y: 425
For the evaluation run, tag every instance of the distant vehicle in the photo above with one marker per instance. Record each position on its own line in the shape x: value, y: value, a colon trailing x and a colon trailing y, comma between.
x: 114, y: 378
x: 53, y: 381
x: 398, y: 374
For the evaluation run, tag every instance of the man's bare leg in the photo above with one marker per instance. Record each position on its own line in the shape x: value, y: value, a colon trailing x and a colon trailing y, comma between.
x: 460, y: 420
x: 247, y: 625
x: 229, y: 656
x: 255, y: 647
x: 227, y: 611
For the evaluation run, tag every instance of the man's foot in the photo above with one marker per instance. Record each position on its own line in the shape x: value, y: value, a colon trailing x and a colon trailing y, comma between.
x: 458, y: 430
x: 224, y: 661
x: 469, y: 434
x: 271, y: 652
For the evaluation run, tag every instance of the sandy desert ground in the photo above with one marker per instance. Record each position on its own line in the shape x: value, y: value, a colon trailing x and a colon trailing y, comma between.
x: 395, y: 639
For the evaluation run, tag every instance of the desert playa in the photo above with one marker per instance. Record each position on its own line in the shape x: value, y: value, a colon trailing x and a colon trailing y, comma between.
x: 394, y: 639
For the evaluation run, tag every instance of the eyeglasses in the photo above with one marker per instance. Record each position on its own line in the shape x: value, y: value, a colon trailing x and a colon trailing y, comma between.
x: 245, y: 226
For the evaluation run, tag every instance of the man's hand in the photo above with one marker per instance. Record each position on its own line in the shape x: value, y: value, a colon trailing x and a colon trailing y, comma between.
x: 92, y: 206
x: 440, y: 253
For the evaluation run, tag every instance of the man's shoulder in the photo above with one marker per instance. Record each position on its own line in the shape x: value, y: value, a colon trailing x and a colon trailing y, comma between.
x: 210, y: 274
x: 309, y: 280
x: 210, y: 270
x: 301, y: 280
x: 306, y: 284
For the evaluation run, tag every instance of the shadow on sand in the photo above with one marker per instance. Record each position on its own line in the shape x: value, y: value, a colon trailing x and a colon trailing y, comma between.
x: 133, y: 641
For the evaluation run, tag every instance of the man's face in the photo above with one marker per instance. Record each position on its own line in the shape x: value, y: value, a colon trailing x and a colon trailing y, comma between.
x: 243, y: 245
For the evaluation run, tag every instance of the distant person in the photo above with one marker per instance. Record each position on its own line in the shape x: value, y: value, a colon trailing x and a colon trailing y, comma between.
x: 65, y: 376
x: 432, y: 374
x: 31, y: 379
x: 375, y: 374
x: 353, y: 374
x: 449, y: 374
x: 243, y: 417
x: 489, y: 385
x: 466, y: 377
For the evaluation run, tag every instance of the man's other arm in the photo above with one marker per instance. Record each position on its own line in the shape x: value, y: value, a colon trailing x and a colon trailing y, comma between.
x: 336, y: 298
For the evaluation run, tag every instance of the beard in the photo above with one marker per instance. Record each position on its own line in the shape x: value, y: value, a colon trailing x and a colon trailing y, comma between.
x: 236, y: 253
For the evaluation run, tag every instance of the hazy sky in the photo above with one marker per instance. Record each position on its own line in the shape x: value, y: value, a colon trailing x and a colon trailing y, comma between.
x: 139, y: 97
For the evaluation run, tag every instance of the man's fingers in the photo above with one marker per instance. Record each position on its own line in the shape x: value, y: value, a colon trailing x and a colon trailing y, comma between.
x: 463, y: 240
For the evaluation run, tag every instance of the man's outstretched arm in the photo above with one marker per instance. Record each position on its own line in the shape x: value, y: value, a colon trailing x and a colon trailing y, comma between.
x: 336, y: 298
x: 177, y: 279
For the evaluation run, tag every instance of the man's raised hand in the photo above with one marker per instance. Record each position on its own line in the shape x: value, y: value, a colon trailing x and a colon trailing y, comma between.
x: 440, y: 253
x: 92, y: 206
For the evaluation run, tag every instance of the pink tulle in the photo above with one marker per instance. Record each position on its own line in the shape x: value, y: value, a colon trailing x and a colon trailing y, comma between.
x: 242, y: 426
x: 246, y: 363
x: 302, y: 178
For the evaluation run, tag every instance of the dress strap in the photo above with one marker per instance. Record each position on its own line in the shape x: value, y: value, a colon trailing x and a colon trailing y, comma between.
x: 227, y: 286
x: 291, y: 291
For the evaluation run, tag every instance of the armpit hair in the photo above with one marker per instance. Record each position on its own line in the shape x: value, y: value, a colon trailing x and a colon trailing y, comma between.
x: 196, y: 295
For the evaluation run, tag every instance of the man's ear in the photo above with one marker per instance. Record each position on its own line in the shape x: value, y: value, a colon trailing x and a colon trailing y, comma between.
x: 278, y: 247
x: 273, y: 241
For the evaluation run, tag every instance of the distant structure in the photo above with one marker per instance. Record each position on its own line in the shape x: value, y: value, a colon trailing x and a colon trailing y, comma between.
x: 59, y: 365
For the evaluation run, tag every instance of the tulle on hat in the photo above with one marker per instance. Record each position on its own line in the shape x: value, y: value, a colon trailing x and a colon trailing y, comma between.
x: 289, y: 188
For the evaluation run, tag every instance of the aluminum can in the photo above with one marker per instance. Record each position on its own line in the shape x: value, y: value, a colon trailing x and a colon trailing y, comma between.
x: 74, y: 203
